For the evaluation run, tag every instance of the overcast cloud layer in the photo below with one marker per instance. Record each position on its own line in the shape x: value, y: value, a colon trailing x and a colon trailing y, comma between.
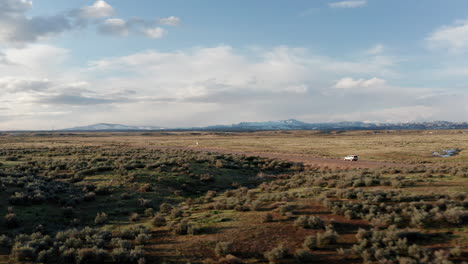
x: 205, y: 85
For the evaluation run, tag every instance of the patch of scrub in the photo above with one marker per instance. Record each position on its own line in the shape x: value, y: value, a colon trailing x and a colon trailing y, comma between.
x: 446, y: 153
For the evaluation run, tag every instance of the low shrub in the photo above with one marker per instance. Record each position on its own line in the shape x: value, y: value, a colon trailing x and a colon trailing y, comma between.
x: 11, y: 220
x: 142, y: 239
x: 145, y: 203
x: 146, y: 188
x: 310, y: 242
x: 456, y: 216
x: 23, y: 253
x: 277, y: 254
x: 125, y: 196
x: 135, y: 217
x: 165, y: 208
x: 176, y: 213
x: 149, y: 212
x: 179, y: 228
x: 286, y: 208
x: 230, y: 259
x: 158, y: 220
x: 101, y: 218
x: 5, y: 241
x: 92, y: 255
x: 312, y: 222
x: 330, y: 237
x: 223, y: 248
x: 90, y: 196
x: 194, y: 229
x: 303, y: 256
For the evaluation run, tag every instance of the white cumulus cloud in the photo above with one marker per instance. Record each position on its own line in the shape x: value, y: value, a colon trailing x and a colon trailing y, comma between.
x: 170, y: 21
x: 453, y: 37
x: 114, y: 26
x: 347, y: 83
x: 377, y: 49
x: 99, y: 9
x: 17, y: 28
x: 120, y: 27
x: 348, y: 4
x: 155, y: 33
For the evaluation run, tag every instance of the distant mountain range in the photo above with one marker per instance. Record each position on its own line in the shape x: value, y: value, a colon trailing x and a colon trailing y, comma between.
x: 290, y: 124
x: 111, y: 127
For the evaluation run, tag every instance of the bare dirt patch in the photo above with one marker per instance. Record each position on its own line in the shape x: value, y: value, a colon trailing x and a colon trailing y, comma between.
x: 251, y: 237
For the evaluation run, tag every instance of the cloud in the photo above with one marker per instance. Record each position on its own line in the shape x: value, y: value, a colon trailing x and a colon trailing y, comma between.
x: 299, y: 88
x: 349, y: 83
x: 99, y: 9
x: 279, y: 83
x: 114, y: 26
x: 155, y: 33
x: 207, y: 70
x: 120, y: 27
x: 3, y: 59
x: 15, y: 85
x: 377, y: 49
x: 452, y: 38
x: 45, y: 92
x: 37, y: 60
x: 393, y: 114
x: 211, y: 85
x: 348, y: 4
x: 221, y: 76
x: 74, y: 99
x: 17, y: 28
x: 170, y: 21
x: 14, y: 7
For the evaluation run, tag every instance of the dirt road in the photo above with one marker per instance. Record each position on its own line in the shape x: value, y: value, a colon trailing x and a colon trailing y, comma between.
x: 305, y: 159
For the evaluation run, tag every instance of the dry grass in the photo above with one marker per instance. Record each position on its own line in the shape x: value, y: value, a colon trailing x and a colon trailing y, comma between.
x: 394, y: 146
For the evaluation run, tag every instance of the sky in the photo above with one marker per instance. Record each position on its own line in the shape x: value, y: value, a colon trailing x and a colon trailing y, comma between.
x: 185, y: 63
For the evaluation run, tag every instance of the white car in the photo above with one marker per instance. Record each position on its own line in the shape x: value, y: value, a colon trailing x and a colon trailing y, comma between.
x: 351, y: 158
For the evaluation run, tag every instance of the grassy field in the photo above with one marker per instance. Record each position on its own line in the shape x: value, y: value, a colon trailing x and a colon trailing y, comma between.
x: 396, y: 146
x: 159, y: 198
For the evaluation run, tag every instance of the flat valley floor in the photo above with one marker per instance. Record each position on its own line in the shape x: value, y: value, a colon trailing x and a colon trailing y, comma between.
x: 234, y: 197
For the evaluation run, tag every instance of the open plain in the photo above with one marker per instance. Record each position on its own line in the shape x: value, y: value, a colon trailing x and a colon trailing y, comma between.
x: 223, y: 197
